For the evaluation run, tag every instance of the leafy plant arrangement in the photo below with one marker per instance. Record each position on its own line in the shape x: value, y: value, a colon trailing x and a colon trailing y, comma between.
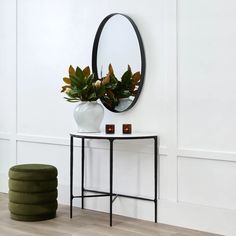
x: 117, y: 89
x: 82, y: 86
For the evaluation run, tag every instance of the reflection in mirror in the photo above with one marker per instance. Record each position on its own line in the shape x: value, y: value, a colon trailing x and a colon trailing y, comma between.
x: 120, y: 91
x: 119, y: 46
x: 118, y: 56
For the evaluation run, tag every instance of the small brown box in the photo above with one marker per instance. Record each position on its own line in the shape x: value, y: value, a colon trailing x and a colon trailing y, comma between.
x: 127, y: 128
x: 110, y: 129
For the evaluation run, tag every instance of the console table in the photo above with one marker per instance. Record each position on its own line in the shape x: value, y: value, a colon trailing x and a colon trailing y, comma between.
x: 111, y: 138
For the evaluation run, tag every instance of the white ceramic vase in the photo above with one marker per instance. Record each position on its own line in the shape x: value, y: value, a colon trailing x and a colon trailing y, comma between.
x: 124, y: 103
x: 88, y: 116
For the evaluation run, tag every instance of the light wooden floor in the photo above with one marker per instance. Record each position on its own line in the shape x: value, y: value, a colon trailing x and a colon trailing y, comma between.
x: 86, y: 223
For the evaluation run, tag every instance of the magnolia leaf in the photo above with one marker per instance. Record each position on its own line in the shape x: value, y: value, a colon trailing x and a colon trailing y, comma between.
x: 98, y: 84
x: 67, y: 80
x: 129, y: 68
x: 79, y: 73
x: 110, y: 94
x: 113, y: 79
x: 79, y: 82
x: 126, y: 77
x: 132, y: 87
x: 89, y: 80
x: 72, y: 99
x: 125, y: 94
x: 101, y: 91
x: 110, y: 69
x: 85, y: 87
x: 64, y: 88
x: 74, y: 80
x: 92, y: 96
x: 72, y: 93
x: 71, y: 70
x: 106, y: 80
x: 86, y: 71
x: 136, y: 77
x: 111, y: 86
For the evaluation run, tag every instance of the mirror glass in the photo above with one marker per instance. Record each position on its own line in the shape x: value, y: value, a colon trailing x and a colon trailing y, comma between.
x: 118, y: 43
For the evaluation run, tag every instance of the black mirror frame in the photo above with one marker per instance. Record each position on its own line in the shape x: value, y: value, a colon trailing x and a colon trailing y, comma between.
x: 142, y: 53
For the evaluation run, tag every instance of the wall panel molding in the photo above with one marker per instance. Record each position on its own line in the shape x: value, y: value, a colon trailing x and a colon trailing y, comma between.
x: 5, y: 136
x: 207, y: 182
x: 163, y: 151
x: 205, y: 51
x: 207, y: 154
x: 205, y: 218
x: 42, y: 139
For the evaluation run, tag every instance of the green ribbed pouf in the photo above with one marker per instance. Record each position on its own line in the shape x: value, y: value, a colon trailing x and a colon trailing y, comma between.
x: 35, y: 186
x: 32, y: 192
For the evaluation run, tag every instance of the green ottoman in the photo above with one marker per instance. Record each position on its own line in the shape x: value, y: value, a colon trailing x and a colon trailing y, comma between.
x: 33, y: 192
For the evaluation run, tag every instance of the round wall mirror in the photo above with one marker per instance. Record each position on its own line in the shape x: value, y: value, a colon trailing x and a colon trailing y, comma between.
x: 118, y: 51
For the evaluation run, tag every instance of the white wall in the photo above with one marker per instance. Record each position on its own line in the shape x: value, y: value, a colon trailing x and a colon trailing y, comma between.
x: 8, y: 91
x: 187, y: 99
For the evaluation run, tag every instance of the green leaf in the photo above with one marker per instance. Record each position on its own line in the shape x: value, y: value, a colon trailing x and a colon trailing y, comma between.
x: 124, y: 94
x: 101, y: 91
x: 90, y: 79
x: 85, y: 88
x: 71, y: 99
x: 79, y: 73
x: 74, y: 80
x: 111, y: 86
x: 126, y: 77
x: 92, y: 96
x: 113, y: 79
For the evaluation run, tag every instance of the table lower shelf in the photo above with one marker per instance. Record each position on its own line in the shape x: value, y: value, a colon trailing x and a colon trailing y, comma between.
x: 107, y: 194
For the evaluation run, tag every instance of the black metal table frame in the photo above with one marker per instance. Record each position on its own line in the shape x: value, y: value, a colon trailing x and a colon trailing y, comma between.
x: 110, y: 194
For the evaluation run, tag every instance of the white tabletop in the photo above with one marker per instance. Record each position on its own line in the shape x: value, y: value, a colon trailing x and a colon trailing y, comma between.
x: 116, y: 135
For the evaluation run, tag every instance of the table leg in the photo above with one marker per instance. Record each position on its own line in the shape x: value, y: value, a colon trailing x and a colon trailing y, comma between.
x: 71, y: 174
x: 111, y: 178
x: 82, y: 173
x: 155, y: 177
